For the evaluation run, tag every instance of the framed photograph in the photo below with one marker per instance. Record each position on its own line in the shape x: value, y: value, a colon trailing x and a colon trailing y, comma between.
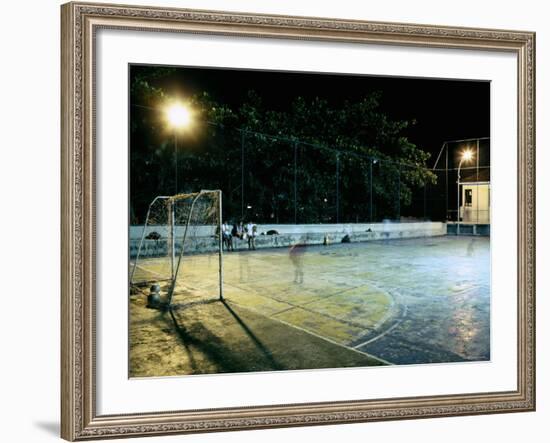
x: 277, y: 221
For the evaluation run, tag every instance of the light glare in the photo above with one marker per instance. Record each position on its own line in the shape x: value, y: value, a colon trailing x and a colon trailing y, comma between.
x: 467, y: 155
x: 179, y: 116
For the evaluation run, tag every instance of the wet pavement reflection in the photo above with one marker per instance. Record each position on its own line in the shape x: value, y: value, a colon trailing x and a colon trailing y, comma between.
x: 404, y: 301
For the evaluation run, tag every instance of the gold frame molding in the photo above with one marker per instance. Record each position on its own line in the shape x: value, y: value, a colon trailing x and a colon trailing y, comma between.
x: 79, y: 22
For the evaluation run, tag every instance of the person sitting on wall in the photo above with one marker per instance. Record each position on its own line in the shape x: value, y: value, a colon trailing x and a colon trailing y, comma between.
x: 234, y: 232
x: 241, y: 233
x: 227, y: 237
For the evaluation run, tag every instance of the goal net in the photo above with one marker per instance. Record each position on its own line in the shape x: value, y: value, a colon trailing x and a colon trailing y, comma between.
x: 179, y: 248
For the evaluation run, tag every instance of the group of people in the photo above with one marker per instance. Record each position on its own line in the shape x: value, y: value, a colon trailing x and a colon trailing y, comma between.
x: 239, y: 231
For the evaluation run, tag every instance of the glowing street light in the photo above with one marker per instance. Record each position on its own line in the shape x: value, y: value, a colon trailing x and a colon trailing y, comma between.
x: 466, y: 156
x: 179, y: 116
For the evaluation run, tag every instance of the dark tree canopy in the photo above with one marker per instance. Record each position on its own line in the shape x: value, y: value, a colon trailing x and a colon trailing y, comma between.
x: 312, y: 162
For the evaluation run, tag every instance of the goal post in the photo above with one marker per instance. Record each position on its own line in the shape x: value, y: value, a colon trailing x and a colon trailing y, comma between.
x: 179, y: 253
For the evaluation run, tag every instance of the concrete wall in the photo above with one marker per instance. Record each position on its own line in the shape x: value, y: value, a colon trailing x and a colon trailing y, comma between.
x: 341, y: 228
x: 292, y: 234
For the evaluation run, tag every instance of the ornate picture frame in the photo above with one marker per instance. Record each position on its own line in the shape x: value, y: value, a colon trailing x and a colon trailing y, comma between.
x: 80, y: 22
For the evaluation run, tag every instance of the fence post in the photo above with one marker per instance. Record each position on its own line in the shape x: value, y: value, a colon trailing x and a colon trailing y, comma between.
x: 399, y: 192
x: 446, y: 182
x: 370, y: 190
x: 337, y: 187
x: 425, y: 186
x: 242, y: 173
x: 295, y: 182
x: 477, y: 180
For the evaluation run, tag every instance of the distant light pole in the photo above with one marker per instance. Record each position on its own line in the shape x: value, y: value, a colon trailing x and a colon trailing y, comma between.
x: 179, y: 117
x: 373, y: 161
x: 466, y: 156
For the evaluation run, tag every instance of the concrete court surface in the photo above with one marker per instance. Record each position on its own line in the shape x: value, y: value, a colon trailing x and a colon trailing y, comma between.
x: 357, y: 304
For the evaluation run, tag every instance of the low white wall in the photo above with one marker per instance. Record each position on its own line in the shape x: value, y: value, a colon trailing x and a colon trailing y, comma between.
x: 424, y: 228
x: 288, y: 235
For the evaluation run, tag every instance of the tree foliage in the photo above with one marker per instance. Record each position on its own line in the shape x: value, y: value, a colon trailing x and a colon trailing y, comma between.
x: 313, y: 162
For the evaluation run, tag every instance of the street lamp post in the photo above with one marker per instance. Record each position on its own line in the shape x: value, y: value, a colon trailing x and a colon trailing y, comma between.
x: 176, y: 160
x: 466, y: 156
x: 178, y: 117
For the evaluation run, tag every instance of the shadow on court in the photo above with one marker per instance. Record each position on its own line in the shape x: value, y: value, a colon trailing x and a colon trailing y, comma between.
x: 223, y: 337
x: 199, y: 339
x: 403, y: 301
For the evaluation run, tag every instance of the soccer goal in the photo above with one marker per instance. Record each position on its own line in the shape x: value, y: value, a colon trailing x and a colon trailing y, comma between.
x: 179, y: 255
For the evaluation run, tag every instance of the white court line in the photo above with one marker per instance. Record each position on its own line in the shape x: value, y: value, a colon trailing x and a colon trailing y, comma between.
x: 387, y: 331
x: 312, y: 333
x: 292, y: 306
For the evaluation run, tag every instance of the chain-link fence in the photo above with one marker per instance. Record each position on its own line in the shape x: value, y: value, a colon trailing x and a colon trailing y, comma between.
x: 462, y: 189
x: 281, y: 180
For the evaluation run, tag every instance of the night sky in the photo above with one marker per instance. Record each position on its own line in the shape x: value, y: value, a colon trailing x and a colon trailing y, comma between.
x: 443, y: 109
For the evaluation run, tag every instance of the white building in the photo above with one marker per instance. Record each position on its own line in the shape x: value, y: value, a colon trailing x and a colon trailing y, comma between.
x: 476, y: 199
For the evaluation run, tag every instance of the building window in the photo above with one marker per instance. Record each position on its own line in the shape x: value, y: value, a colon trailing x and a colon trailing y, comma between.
x: 468, y: 197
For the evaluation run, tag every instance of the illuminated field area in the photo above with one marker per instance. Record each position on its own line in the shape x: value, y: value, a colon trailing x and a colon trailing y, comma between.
x: 344, y: 305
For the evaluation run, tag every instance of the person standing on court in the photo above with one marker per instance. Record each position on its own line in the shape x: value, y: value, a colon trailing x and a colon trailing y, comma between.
x: 251, y: 231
